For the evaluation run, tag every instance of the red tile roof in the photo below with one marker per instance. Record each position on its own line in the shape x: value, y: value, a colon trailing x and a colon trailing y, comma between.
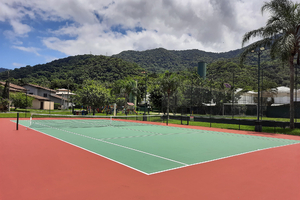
x: 14, y: 87
x: 40, y: 87
x: 38, y: 97
x: 58, y: 97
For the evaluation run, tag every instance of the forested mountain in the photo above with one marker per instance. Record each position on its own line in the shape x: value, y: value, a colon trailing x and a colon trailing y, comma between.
x: 76, y: 68
x: 3, y: 69
x: 220, y: 66
x: 159, y: 60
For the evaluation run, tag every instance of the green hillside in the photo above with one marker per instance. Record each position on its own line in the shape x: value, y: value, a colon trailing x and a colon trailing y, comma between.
x: 159, y: 60
x: 3, y: 69
x: 220, y: 66
x: 76, y: 68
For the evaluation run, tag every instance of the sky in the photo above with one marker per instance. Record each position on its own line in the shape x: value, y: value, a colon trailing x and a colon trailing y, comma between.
x: 39, y: 31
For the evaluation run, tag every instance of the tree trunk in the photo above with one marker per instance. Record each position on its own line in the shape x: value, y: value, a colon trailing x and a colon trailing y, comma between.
x: 292, y: 82
x: 168, y: 106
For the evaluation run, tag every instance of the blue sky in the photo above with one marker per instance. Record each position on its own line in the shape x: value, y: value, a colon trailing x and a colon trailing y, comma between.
x: 36, y: 32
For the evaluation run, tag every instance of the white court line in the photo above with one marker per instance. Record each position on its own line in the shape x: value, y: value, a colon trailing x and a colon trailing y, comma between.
x: 170, y: 169
x: 207, y: 161
x: 100, y: 140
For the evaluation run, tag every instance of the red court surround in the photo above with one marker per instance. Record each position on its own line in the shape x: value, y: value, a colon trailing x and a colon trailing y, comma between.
x: 34, y: 166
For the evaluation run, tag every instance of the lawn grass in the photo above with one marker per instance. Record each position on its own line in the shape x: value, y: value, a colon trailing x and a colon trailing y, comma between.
x: 241, y: 127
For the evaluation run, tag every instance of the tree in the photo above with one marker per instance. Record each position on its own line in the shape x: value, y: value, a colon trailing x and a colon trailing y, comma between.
x: 92, y: 94
x: 169, y: 83
x: 124, y: 87
x: 156, y: 96
x: 20, y: 100
x: 282, y: 35
x: 3, y: 101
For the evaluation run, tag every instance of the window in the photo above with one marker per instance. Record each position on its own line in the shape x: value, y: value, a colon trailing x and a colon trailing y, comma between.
x: 45, y: 95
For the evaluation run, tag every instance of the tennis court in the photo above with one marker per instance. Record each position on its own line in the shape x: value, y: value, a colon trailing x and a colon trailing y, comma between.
x: 151, y: 148
x: 111, y: 159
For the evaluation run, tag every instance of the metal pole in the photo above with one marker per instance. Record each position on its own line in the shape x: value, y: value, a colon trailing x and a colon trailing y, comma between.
x: 146, y: 94
x: 8, y: 95
x: 145, y: 105
x: 191, y: 98
x: 262, y: 92
x: 26, y: 105
x: 258, y: 127
x: 258, y: 86
x: 232, y: 103
x: 17, y: 121
x: 296, y: 93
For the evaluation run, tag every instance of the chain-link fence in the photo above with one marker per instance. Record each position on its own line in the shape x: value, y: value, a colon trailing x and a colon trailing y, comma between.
x: 206, y: 101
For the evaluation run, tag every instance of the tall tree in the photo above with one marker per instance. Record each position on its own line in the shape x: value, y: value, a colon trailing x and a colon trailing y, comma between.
x: 124, y: 87
x: 21, y: 100
x: 169, y: 83
x: 282, y: 35
x: 92, y: 94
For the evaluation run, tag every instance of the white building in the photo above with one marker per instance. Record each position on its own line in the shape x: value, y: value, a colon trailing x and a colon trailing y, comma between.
x: 283, y: 95
x: 280, y: 94
x: 65, y: 94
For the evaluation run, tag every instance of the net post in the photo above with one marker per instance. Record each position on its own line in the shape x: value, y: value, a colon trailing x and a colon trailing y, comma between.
x: 30, y: 120
x: 18, y: 121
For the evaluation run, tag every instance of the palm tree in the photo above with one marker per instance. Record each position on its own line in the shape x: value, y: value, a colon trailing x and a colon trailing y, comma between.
x: 168, y: 83
x: 282, y: 35
x: 125, y: 87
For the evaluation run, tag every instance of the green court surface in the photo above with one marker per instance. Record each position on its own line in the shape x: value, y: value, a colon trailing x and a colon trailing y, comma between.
x: 151, y: 148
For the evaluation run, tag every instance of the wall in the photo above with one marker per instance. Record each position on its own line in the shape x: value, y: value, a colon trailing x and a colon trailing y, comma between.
x: 36, y: 104
x: 31, y: 89
x: 47, y: 104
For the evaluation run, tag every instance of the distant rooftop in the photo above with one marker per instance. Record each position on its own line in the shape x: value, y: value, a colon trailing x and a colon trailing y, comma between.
x: 14, y: 87
x: 40, y: 87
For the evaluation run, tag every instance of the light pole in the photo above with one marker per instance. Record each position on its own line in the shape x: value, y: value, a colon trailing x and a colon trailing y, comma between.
x: 296, y: 98
x: 262, y: 91
x: 258, y: 127
x: 232, y: 103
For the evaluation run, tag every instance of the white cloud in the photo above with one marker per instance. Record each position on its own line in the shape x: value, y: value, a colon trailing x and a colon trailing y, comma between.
x: 18, y: 65
x: 28, y: 49
x: 210, y: 25
x: 19, y: 28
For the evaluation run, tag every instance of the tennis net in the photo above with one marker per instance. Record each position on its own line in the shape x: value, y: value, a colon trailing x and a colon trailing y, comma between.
x: 86, y: 121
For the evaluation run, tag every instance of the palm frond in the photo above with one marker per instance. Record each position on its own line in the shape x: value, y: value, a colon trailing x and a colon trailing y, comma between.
x: 254, y: 47
x: 252, y: 34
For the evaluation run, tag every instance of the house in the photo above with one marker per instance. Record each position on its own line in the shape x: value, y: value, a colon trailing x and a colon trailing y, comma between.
x: 41, y: 103
x: 66, y: 94
x: 38, y: 90
x: 38, y: 101
x: 46, y: 93
x: 61, y: 100
x: 14, y: 87
x: 282, y: 95
x: 247, y: 97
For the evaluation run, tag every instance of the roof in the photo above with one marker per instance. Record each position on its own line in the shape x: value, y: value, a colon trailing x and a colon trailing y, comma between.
x: 40, y: 87
x: 62, y: 90
x: 14, y: 87
x: 65, y: 93
x: 58, y: 97
x: 38, y: 97
x: 283, y: 89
